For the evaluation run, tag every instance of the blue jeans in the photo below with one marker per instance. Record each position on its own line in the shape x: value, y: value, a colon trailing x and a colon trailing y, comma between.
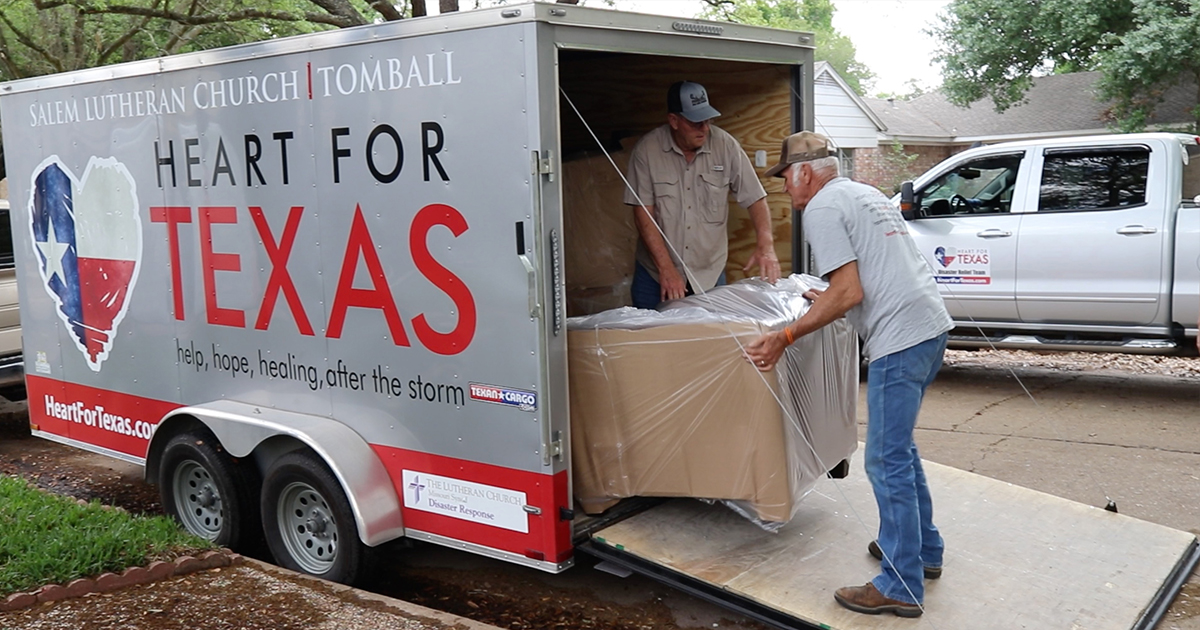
x: 646, y: 292
x: 896, y: 383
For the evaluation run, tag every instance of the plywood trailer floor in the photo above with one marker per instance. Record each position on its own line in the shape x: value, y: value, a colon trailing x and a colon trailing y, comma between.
x: 1015, y: 558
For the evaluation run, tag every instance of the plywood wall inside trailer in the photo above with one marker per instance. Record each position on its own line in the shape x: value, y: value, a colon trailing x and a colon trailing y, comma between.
x: 625, y: 95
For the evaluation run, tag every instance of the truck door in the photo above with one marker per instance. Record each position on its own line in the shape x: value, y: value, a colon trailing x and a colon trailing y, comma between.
x: 1093, y: 250
x: 966, y: 228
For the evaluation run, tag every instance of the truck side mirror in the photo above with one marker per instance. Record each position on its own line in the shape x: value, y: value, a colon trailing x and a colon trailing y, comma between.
x: 908, y: 201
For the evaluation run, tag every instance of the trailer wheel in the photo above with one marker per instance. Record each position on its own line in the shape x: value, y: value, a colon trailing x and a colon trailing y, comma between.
x: 207, y: 491
x: 309, y: 524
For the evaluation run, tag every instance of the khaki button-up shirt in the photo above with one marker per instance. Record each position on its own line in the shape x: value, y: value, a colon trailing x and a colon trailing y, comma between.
x: 691, y: 201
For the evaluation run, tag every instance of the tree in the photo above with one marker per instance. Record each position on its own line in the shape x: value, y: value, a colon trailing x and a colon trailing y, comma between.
x: 1162, y: 52
x: 815, y: 16
x: 994, y: 48
x: 48, y: 36
x: 900, y: 166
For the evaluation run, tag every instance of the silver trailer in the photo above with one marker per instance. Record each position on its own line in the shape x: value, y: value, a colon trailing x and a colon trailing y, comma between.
x: 330, y: 266
x: 315, y: 286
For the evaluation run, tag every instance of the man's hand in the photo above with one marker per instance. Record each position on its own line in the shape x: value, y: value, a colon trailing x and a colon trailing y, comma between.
x: 671, y: 284
x: 768, y: 263
x: 764, y: 255
x: 766, y: 351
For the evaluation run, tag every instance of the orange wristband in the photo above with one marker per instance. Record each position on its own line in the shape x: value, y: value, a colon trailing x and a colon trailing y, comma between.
x: 787, y: 331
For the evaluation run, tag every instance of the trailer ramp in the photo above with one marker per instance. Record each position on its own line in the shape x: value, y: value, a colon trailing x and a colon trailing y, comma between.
x: 1015, y: 558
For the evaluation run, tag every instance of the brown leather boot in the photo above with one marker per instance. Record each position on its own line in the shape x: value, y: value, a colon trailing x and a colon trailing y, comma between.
x: 931, y: 573
x: 866, y: 599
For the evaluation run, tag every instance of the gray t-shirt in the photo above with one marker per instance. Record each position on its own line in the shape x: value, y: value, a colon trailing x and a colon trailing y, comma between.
x: 847, y: 221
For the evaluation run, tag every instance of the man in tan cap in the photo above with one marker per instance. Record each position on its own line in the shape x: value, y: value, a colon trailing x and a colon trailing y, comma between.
x: 683, y: 173
x: 879, y: 281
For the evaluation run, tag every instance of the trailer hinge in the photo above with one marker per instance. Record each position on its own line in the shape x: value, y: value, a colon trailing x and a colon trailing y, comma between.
x: 555, y: 447
x: 545, y: 165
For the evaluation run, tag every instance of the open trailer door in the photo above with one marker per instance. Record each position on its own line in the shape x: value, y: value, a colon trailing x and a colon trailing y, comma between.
x: 1015, y: 558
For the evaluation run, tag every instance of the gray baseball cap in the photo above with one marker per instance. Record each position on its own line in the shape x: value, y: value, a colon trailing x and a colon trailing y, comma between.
x: 690, y: 100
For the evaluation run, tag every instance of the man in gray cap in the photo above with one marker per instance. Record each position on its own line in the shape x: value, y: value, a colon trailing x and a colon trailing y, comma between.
x: 880, y: 282
x: 683, y: 173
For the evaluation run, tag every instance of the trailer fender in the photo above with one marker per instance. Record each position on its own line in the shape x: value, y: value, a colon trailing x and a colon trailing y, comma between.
x: 241, y: 428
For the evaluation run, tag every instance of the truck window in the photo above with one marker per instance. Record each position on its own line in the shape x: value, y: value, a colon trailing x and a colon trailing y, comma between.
x: 1191, y: 174
x: 1093, y: 179
x: 980, y: 186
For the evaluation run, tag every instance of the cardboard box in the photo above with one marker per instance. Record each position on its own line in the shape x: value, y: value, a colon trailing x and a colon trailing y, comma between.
x: 600, y: 237
x: 674, y: 411
x: 669, y: 407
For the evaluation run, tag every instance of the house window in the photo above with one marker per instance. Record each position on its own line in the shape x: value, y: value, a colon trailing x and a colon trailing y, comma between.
x: 1094, y: 179
x: 846, y: 160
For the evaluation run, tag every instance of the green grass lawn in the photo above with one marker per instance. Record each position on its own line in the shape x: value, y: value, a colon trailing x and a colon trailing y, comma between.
x: 48, y: 539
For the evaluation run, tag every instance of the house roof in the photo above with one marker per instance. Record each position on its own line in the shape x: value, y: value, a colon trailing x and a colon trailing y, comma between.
x: 1056, y: 105
x: 823, y: 68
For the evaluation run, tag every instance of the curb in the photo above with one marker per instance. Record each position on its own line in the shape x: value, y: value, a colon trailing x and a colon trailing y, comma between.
x: 154, y: 572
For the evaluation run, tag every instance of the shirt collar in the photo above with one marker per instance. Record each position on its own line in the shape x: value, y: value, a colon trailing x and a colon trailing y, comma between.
x: 668, y: 142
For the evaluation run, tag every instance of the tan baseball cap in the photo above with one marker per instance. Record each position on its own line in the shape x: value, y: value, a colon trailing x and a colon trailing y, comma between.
x: 800, y: 147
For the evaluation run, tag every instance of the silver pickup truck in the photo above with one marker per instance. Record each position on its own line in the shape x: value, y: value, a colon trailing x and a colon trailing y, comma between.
x: 1084, y: 243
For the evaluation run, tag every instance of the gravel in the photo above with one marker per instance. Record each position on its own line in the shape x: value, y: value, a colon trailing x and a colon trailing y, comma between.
x: 1178, y: 367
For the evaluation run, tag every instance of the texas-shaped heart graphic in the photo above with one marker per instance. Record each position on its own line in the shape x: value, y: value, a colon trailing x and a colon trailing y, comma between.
x: 87, y: 233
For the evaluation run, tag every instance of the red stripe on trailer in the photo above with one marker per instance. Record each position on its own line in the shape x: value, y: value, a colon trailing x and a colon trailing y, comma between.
x: 119, y: 422
x: 549, y: 536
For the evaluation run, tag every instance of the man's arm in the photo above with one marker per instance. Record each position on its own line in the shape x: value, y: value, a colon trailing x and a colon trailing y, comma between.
x: 764, y: 255
x: 843, y: 294
x: 672, y: 285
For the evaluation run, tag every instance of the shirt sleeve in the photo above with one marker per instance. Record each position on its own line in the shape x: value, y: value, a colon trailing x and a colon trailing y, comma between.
x: 638, y: 174
x: 828, y: 237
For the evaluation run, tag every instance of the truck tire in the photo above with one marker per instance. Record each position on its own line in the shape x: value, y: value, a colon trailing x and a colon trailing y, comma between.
x: 210, y: 493
x: 308, y: 521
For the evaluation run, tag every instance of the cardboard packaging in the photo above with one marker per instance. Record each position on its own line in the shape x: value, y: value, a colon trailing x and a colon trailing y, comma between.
x: 664, y: 404
x: 600, y: 237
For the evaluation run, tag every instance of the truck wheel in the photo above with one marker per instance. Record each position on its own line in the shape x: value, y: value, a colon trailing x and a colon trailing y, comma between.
x: 309, y: 524
x: 207, y: 491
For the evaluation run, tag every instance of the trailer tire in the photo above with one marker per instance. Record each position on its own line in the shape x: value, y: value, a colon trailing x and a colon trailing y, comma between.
x: 209, y: 492
x: 308, y: 521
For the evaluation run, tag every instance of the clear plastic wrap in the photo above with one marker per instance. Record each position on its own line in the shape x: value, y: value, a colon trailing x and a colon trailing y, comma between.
x: 663, y: 403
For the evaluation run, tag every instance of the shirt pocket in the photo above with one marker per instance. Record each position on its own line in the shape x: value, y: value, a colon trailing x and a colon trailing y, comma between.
x: 667, y: 201
x: 714, y: 197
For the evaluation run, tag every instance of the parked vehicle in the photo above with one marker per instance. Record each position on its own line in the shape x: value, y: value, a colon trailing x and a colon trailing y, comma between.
x: 11, y: 359
x: 1085, y: 243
